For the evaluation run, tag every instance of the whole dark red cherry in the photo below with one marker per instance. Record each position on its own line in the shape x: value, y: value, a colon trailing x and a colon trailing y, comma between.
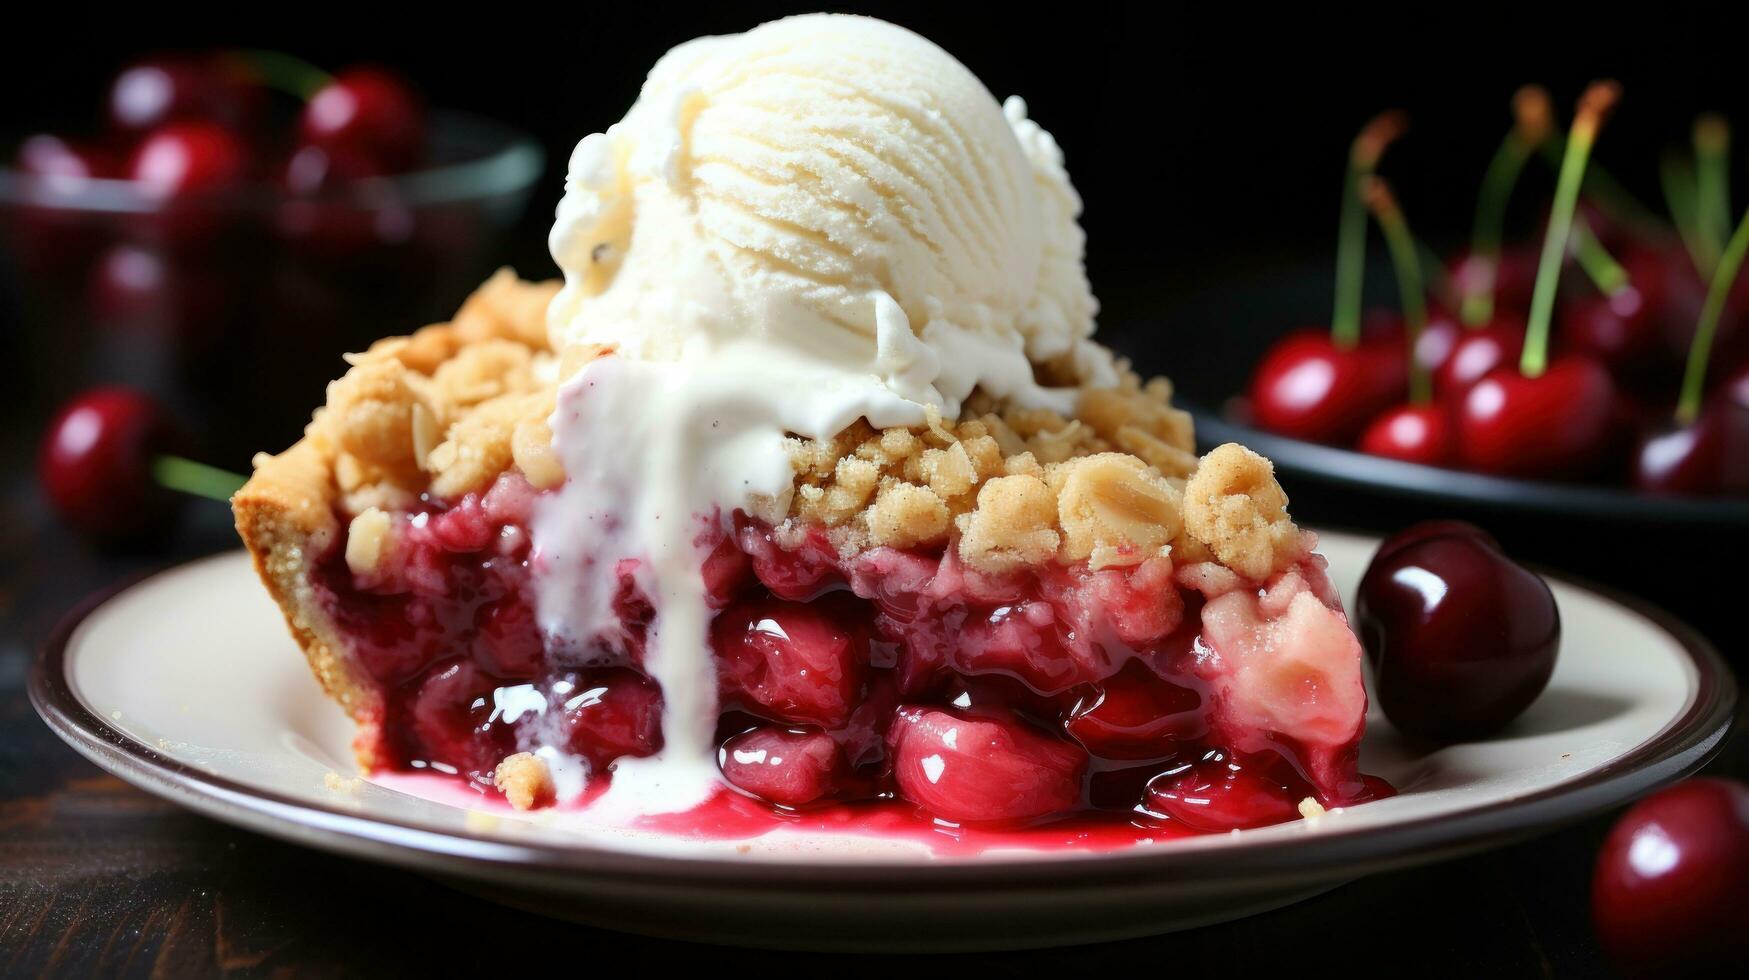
x: 1670, y: 893
x: 1625, y: 330
x: 314, y: 169
x: 1309, y: 388
x: 1477, y: 351
x: 369, y: 111
x: 95, y: 465
x: 151, y: 93
x: 142, y: 289
x: 1708, y: 457
x: 1461, y: 638
x: 1440, y: 528
x: 321, y: 219
x: 1559, y: 423
x: 185, y: 158
x: 1412, y: 433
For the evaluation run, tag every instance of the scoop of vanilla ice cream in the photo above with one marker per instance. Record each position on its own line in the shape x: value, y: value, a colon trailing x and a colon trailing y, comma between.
x: 841, y: 190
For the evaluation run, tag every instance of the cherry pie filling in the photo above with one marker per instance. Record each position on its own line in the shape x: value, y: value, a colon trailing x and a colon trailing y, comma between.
x: 1155, y: 693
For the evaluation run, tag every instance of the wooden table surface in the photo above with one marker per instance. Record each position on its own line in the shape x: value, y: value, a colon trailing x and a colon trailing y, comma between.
x: 98, y: 878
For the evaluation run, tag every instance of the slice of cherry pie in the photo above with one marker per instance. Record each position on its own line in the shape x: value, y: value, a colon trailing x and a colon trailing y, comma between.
x: 1008, y: 616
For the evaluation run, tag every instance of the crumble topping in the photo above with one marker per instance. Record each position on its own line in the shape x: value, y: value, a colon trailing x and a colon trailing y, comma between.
x: 448, y: 409
x: 524, y: 780
x: 1233, y: 504
x: 367, y: 539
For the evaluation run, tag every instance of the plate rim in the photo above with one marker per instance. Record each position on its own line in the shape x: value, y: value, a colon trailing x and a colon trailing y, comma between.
x: 1682, y: 746
x: 1391, y: 477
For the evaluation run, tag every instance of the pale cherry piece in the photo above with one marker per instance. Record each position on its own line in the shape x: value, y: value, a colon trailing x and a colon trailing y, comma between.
x: 983, y: 769
x: 781, y: 766
x: 1284, y: 662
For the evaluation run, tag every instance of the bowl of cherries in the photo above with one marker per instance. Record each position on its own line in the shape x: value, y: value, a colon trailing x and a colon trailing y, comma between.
x: 229, y: 218
x: 1599, y: 368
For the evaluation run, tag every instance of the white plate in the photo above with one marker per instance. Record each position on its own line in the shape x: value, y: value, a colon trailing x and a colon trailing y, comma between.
x: 187, y: 685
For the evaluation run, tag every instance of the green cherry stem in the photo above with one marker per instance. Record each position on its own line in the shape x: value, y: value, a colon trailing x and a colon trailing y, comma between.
x: 1363, y: 159
x: 1605, y: 272
x: 1676, y: 175
x: 1694, y: 375
x: 1609, y: 195
x: 282, y: 72
x: 1594, y: 106
x: 1712, y: 181
x: 199, y: 479
x: 1400, y: 241
x: 1532, y: 117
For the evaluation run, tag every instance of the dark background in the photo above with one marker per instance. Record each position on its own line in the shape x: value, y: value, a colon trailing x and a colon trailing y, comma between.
x: 1208, y: 146
x: 1201, y: 139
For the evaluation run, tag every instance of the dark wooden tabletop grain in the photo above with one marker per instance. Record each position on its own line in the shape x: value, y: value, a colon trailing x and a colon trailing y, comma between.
x: 100, y: 879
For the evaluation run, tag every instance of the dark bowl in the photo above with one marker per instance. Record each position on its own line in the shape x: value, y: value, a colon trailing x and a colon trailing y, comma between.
x: 234, y: 308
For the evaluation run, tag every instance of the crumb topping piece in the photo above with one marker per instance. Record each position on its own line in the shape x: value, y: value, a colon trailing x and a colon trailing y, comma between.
x: 524, y: 780
x: 1234, y: 506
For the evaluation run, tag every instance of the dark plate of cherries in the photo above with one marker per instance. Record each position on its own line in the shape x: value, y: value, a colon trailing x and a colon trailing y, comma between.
x: 1597, y: 368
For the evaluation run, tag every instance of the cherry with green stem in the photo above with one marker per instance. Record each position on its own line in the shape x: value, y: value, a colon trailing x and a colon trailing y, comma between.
x: 1363, y: 158
x: 1612, y: 199
x: 1400, y: 241
x: 1706, y: 449
x: 1419, y: 431
x: 1624, y: 322
x: 109, y: 464
x: 1594, y: 107
x: 1532, y: 119
x: 1325, y: 385
x: 1546, y: 417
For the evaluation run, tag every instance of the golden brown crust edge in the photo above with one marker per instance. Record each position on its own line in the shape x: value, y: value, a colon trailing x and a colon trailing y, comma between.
x: 285, y: 517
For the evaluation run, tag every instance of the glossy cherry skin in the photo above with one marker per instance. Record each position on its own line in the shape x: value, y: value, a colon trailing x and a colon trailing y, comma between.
x: 1438, y: 339
x: 1438, y: 335
x: 1423, y: 530
x: 1461, y: 638
x: 321, y: 218
x: 1670, y: 892
x: 1308, y: 388
x: 95, y: 465
x: 151, y: 93
x: 1558, y: 424
x: 1477, y: 351
x: 370, y: 112
x: 1624, y: 330
x: 136, y: 288
x: 1735, y: 387
x: 1707, y: 458
x: 187, y: 158
x: 1412, y: 433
